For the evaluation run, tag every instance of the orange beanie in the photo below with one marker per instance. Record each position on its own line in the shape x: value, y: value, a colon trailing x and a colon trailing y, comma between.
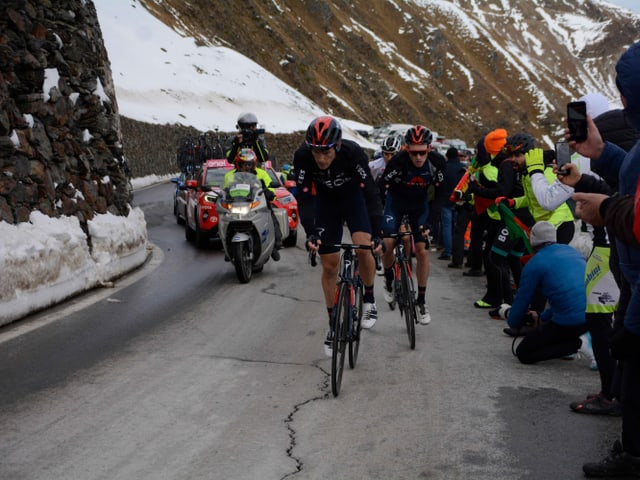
x: 495, y: 140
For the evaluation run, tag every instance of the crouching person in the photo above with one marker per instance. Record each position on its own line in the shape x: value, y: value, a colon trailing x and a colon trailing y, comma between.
x: 557, y: 271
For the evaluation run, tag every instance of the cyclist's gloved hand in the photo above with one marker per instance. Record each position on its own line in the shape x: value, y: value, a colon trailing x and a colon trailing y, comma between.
x: 378, y: 245
x: 509, y: 202
x: 534, y: 160
x: 312, y: 240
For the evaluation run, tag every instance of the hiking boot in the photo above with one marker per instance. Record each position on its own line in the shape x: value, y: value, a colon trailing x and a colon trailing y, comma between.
x: 597, y: 405
x: 369, y: 315
x: 617, y: 464
x: 518, y: 332
x: 328, y: 344
x: 454, y: 265
x: 388, y: 294
x: 473, y: 273
x: 424, y: 317
x: 275, y: 254
x: 444, y: 257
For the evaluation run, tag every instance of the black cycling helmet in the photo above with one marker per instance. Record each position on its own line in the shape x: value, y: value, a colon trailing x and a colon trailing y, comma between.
x: 247, y: 120
x: 391, y: 144
x: 519, y: 143
x: 323, y: 132
x: 418, y: 135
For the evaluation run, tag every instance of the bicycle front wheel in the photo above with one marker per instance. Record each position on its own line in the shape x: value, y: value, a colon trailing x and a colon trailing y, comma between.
x: 340, y: 336
x: 356, y: 327
x: 409, y: 303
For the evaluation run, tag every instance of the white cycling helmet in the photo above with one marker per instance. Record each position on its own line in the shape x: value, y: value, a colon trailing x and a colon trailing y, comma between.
x: 391, y: 144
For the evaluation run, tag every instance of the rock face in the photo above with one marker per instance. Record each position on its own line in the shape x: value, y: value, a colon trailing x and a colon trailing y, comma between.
x: 60, y: 141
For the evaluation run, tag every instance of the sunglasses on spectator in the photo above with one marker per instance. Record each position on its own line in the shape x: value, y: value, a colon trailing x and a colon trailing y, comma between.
x: 511, y: 148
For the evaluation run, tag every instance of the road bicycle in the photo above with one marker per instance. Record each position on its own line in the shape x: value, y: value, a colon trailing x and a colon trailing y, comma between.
x: 404, y: 290
x: 347, y: 311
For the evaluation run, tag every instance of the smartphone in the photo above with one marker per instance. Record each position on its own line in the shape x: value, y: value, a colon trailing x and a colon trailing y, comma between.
x: 577, y: 120
x: 563, y: 156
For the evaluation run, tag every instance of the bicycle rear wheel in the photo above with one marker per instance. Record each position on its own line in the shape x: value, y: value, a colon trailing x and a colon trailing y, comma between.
x: 354, y: 338
x: 341, y: 333
x: 409, y: 304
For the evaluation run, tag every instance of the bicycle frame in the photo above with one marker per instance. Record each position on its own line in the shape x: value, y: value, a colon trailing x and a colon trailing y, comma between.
x: 404, y: 295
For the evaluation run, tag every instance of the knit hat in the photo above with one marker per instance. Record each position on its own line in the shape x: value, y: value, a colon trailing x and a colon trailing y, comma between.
x: 596, y: 102
x: 628, y: 81
x: 452, y: 152
x: 542, y: 232
x: 495, y: 140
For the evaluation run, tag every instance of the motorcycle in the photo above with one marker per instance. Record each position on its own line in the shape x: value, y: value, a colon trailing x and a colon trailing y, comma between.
x: 246, y: 225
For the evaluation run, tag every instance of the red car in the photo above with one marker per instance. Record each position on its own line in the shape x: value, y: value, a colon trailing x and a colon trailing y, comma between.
x: 202, y: 217
x: 284, y: 199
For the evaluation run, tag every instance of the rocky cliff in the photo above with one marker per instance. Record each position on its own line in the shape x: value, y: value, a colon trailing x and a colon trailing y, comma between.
x: 60, y: 142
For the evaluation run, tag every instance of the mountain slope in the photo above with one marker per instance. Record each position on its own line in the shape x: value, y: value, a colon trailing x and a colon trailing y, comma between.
x: 460, y: 66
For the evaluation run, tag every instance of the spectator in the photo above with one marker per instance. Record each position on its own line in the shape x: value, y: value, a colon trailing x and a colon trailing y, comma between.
x: 624, y: 458
x: 464, y: 210
x: 558, y: 272
x: 453, y: 173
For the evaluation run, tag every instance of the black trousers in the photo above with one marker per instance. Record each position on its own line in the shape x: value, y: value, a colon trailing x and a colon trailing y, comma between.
x: 464, y: 214
x: 631, y: 405
x: 549, y: 341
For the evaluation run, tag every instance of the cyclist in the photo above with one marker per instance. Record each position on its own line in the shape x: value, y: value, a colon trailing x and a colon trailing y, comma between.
x: 246, y: 161
x: 248, y: 137
x: 411, y: 178
x: 390, y: 146
x: 336, y: 170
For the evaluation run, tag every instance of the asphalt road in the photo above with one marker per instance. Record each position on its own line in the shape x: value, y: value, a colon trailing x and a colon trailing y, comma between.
x: 180, y: 372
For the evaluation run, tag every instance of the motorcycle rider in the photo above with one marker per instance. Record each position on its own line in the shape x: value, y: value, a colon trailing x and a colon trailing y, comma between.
x: 344, y: 191
x: 245, y: 161
x: 249, y: 137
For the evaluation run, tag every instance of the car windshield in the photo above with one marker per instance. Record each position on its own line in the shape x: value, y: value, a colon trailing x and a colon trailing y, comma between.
x: 215, y: 177
x: 273, y: 176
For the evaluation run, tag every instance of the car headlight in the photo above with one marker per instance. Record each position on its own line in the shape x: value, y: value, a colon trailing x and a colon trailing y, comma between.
x: 286, y: 199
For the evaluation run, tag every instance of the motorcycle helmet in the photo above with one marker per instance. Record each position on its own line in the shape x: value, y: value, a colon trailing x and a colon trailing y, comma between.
x: 247, y: 120
x: 245, y: 159
x: 323, y: 133
x: 391, y: 144
x: 519, y: 143
x: 418, y: 135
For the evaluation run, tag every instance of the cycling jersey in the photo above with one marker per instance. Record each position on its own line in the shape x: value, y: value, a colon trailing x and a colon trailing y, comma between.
x: 409, y: 190
x: 344, y: 192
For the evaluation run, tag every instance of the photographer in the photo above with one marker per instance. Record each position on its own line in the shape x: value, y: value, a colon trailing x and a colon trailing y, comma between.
x: 558, y: 271
x: 248, y: 137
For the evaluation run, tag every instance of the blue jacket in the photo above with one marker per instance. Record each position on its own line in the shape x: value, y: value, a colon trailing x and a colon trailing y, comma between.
x: 628, y: 167
x: 558, y: 271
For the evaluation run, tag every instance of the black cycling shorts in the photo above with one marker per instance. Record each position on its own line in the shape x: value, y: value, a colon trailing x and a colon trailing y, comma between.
x: 333, y: 211
x: 393, y: 217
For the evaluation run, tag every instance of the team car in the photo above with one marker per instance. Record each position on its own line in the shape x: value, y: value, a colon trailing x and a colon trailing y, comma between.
x: 284, y: 199
x: 201, y: 220
x: 201, y: 223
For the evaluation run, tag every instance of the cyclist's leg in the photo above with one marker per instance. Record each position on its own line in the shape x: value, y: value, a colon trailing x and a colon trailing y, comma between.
x: 389, y: 226
x: 357, y: 217
x: 417, y: 220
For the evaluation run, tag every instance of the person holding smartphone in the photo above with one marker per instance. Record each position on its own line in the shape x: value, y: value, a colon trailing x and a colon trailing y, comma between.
x: 624, y: 458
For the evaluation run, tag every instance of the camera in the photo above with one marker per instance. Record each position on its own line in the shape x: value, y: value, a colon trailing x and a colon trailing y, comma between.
x: 249, y: 135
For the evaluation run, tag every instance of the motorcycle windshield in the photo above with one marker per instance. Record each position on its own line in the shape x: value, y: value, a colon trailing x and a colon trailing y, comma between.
x: 243, y: 186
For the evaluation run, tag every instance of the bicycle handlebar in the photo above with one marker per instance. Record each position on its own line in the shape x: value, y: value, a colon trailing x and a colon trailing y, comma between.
x: 345, y: 246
